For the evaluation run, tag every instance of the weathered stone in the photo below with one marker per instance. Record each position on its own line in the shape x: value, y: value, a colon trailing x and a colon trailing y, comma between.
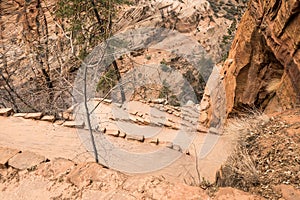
x: 159, y: 101
x: 6, y: 112
x: 108, y: 101
x: 25, y: 160
x: 64, y: 115
x: 162, y: 109
x: 103, y: 130
x: 140, y: 120
x: 175, y: 126
x: 122, y: 134
x: 177, y: 108
x: 73, y: 124
x: 35, y: 116
x: 59, y: 122
x: 154, y: 141
x: 201, y: 129
x: 48, y: 118
x: 139, y: 138
x: 20, y: 114
x: 133, y: 118
x: 147, y: 121
x: 177, y: 114
x: 170, y: 120
x: 168, y: 124
x: 114, y: 133
x: 170, y: 111
x: 6, y: 154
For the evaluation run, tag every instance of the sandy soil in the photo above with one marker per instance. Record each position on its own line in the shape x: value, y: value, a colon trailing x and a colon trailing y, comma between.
x: 44, y: 138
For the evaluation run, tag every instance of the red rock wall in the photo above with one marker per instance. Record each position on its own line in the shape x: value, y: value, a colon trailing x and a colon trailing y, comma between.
x: 263, y: 67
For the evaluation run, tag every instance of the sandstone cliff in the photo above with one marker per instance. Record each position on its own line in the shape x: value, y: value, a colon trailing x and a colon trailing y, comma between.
x: 263, y: 67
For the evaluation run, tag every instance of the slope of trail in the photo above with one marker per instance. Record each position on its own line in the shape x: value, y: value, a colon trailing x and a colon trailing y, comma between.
x: 53, y: 141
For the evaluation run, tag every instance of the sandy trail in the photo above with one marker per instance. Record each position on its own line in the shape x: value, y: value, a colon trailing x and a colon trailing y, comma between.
x: 54, y: 141
x: 44, y: 138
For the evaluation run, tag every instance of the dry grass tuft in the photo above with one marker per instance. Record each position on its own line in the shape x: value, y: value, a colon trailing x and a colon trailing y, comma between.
x: 240, y: 171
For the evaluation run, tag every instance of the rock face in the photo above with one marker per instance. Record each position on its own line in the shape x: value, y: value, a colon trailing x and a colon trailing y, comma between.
x: 263, y: 67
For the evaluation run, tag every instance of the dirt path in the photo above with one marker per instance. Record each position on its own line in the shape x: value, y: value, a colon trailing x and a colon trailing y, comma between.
x: 54, y: 141
x: 44, y: 138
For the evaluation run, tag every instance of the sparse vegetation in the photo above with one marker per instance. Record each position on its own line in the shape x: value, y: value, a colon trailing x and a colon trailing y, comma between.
x: 166, y: 93
x: 263, y: 157
x: 107, y: 82
x: 227, y: 39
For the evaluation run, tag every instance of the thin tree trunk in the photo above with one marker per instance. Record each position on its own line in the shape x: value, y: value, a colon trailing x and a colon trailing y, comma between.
x: 100, y: 22
x: 117, y: 71
x: 88, y: 114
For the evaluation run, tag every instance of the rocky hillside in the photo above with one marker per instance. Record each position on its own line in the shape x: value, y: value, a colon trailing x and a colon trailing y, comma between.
x: 40, y: 49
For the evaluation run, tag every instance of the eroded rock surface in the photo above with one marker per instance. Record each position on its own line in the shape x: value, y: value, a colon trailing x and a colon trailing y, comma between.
x: 263, y: 68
